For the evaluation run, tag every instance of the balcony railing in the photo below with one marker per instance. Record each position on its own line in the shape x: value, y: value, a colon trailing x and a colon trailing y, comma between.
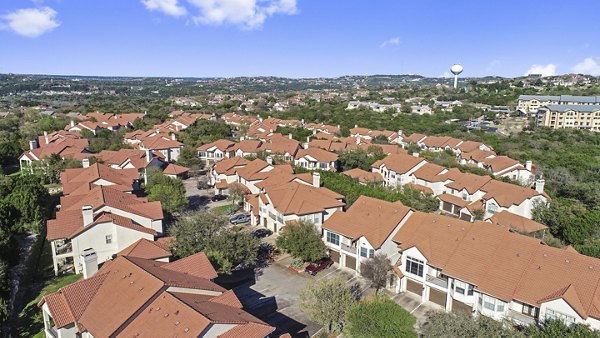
x: 272, y: 216
x: 64, y: 248
x: 520, y: 319
x: 441, y: 282
x: 349, y: 249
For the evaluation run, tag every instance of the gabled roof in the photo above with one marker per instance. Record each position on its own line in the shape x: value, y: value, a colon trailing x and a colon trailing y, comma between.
x: 317, y: 154
x: 100, y: 196
x: 196, y: 265
x: 74, y: 179
x: 504, y: 264
x: 146, y: 249
x: 363, y: 176
x: 516, y: 222
x: 369, y: 217
x: 174, y: 169
x: 130, y: 296
x: 221, y: 145
x: 299, y: 199
x: 228, y: 166
x: 399, y: 163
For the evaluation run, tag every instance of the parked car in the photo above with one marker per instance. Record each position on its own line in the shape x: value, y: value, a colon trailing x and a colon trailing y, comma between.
x: 260, y: 233
x: 241, y: 218
x: 216, y: 198
x: 318, y: 265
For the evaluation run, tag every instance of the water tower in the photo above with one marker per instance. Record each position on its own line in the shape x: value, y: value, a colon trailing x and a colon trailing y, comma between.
x: 456, y: 69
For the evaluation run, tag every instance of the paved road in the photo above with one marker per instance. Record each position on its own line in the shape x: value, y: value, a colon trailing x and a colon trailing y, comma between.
x: 197, y: 198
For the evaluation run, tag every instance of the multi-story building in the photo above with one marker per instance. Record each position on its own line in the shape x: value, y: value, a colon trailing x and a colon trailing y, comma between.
x: 531, y: 103
x: 585, y: 117
x: 363, y: 231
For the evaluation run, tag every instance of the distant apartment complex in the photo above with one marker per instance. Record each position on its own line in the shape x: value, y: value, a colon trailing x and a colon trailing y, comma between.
x: 531, y: 103
x: 570, y: 116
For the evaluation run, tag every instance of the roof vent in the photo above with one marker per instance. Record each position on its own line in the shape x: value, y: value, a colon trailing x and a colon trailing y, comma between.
x: 591, y: 267
x: 518, y: 254
x: 176, y: 323
x: 539, y: 267
x: 186, y: 329
x: 166, y: 315
x: 566, y: 261
x: 545, y: 255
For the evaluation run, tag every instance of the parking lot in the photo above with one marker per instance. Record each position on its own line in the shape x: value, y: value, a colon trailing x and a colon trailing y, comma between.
x: 273, y: 295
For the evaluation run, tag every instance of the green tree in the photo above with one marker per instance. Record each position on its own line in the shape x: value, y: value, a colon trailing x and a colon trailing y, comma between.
x: 302, y: 241
x: 169, y: 191
x: 443, y: 324
x: 327, y: 301
x: 379, y: 316
x: 479, y: 214
x: 207, y: 231
x: 377, y: 270
x: 556, y: 329
x: 189, y: 158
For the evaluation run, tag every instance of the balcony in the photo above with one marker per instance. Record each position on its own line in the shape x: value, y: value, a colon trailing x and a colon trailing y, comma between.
x: 64, y: 248
x: 441, y: 282
x: 349, y: 249
x: 519, y: 318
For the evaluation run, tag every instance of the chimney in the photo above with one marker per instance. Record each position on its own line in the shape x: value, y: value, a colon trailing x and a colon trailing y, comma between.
x: 242, y: 138
x: 173, y: 137
x: 302, y: 121
x: 314, y: 132
x: 528, y: 165
x: 149, y: 155
x: 356, y: 126
x: 539, y: 184
x: 307, y: 139
x: 46, y: 137
x: 338, y: 127
x: 415, y: 154
x: 85, y: 162
x: 89, y: 263
x: 32, y: 145
x: 316, y: 179
x: 400, y: 133
x: 270, y: 160
x: 305, y: 145
x: 290, y: 136
x: 72, y: 123
x: 88, y: 215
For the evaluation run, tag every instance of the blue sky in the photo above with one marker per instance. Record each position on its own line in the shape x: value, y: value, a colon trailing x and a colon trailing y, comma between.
x: 298, y: 38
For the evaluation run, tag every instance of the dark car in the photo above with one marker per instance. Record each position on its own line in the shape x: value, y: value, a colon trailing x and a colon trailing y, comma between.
x: 216, y: 198
x: 260, y: 233
x: 241, y: 218
x: 318, y: 265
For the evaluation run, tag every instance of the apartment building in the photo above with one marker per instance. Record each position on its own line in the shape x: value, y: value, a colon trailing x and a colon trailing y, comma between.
x: 280, y: 204
x: 532, y: 103
x: 586, y: 117
x: 483, y: 269
x: 64, y: 144
x: 82, y: 180
x: 135, y: 297
x: 214, y: 151
x: 364, y: 230
x: 316, y: 159
x: 103, y: 219
x: 396, y: 168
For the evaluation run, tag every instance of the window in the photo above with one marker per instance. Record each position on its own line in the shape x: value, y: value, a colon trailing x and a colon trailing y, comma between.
x: 465, y: 196
x: 108, y: 239
x: 500, y: 306
x: 323, y: 165
x: 529, y: 310
x: 551, y: 314
x: 333, y: 238
x: 470, y: 290
x: 363, y: 252
x: 460, y: 287
x: 489, y: 303
x: 414, y: 266
x: 492, y: 208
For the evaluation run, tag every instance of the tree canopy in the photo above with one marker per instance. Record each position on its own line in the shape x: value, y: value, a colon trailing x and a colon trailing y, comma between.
x: 327, y: 301
x: 302, y: 241
x: 379, y: 316
x: 169, y: 191
x: 207, y: 231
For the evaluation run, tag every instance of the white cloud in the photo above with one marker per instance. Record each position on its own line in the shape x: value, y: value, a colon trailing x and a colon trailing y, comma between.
x: 395, y: 41
x: 248, y: 14
x: 169, y: 7
x: 31, y: 22
x: 545, y: 70
x: 587, y: 66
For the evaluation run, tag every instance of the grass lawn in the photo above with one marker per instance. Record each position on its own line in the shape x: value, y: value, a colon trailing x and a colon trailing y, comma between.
x: 222, y: 210
x: 31, y: 322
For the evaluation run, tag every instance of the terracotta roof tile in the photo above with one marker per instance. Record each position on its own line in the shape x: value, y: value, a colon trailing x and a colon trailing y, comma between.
x: 369, y: 217
x: 146, y: 249
x: 364, y: 176
x: 399, y: 163
x: 196, y: 265
x: 516, y: 222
